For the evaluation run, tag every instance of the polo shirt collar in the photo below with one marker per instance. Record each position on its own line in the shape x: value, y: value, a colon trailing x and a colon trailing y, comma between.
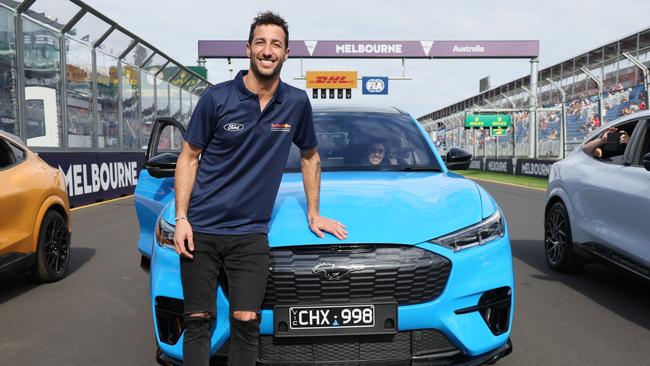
x: 244, y: 93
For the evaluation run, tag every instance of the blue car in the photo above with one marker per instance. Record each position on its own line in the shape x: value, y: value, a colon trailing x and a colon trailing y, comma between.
x: 425, y: 276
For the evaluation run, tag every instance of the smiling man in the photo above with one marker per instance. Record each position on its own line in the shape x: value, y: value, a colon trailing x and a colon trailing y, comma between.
x: 227, y: 179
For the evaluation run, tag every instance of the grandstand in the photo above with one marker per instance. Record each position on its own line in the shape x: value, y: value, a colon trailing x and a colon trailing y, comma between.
x: 561, y: 124
x: 84, y: 92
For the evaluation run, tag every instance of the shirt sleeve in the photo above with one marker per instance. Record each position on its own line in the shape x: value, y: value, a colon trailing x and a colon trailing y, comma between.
x: 202, y: 124
x: 305, y: 135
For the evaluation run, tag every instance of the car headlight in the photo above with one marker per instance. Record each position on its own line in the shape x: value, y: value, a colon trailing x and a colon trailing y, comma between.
x: 478, y: 234
x: 165, y: 234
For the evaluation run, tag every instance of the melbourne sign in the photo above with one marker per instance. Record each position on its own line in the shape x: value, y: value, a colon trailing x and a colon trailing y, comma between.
x: 534, y: 167
x: 94, y: 177
x: 382, y: 49
x: 331, y: 79
x: 487, y: 120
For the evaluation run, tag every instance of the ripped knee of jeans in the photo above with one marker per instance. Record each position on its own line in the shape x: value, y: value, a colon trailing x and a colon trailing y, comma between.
x: 198, y: 324
x: 244, y: 315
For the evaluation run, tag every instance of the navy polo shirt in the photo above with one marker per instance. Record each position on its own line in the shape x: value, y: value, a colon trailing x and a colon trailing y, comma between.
x: 244, y: 154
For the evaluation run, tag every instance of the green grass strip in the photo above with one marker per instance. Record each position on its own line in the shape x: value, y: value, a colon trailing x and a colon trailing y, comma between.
x: 532, y: 182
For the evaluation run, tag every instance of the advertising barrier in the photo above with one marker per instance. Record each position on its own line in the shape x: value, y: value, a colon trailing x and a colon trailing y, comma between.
x: 94, y: 177
x: 534, y: 167
x: 499, y: 166
x: 528, y: 167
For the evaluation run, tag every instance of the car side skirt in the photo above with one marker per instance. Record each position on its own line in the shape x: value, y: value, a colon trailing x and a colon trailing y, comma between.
x: 610, y: 256
x: 16, y: 262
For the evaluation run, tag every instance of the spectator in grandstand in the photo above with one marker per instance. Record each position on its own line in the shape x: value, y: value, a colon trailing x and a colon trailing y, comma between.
x: 595, y: 146
x: 553, y: 135
x: 642, y: 105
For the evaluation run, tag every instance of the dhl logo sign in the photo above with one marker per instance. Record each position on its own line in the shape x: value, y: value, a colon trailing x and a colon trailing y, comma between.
x: 331, y: 79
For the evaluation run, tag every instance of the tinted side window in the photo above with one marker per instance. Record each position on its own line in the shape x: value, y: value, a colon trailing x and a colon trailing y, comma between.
x: 6, y: 155
x: 613, y: 148
x: 19, y: 154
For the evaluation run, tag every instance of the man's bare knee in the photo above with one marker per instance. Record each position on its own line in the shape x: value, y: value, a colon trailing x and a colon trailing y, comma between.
x: 244, y: 315
x: 204, y: 314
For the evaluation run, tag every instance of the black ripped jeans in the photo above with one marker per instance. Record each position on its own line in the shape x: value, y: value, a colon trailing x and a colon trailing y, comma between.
x: 245, y: 259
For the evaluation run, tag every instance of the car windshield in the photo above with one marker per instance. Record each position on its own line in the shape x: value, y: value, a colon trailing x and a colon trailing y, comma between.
x: 350, y: 141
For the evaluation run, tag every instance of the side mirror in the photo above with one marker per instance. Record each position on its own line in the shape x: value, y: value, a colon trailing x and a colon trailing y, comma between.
x: 162, y: 165
x: 646, y: 161
x: 458, y: 159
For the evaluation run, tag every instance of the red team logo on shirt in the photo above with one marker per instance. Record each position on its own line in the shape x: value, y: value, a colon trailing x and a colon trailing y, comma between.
x: 280, y: 127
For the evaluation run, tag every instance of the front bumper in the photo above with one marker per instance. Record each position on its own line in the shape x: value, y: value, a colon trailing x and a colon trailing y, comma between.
x: 452, y: 358
x: 474, y: 273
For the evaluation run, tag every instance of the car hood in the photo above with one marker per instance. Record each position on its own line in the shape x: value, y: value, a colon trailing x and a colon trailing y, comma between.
x: 378, y: 207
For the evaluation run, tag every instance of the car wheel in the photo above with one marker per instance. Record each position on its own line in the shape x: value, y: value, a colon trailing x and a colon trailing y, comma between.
x: 558, y: 243
x: 53, y: 250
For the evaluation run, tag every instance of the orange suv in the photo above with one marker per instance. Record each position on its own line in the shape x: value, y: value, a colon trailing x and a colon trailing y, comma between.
x: 35, y: 222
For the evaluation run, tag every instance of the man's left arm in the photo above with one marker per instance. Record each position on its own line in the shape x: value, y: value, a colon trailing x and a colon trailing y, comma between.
x: 310, y: 166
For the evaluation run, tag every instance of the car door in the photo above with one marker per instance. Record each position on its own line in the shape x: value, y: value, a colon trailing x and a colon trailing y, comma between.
x: 17, y: 209
x: 614, y: 200
x: 634, y: 197
x: 155, y: 188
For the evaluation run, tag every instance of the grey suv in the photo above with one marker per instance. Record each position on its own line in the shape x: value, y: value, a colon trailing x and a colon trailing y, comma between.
x: 599, y: 207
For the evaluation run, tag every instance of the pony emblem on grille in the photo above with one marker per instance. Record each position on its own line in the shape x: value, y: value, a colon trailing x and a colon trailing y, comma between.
x: 335, y: 272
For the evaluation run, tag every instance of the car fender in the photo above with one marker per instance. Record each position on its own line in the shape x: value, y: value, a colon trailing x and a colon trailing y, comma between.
x: 48, y: 203
x: 560, y: 193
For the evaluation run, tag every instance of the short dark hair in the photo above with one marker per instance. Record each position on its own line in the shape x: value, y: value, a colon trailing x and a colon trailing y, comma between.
x: 270, y: 18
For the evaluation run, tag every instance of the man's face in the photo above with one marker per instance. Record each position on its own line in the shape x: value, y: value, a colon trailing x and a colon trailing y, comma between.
x: 267, y: 51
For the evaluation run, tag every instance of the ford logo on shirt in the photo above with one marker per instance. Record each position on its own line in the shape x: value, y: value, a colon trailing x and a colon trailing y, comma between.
x: 232, y: 127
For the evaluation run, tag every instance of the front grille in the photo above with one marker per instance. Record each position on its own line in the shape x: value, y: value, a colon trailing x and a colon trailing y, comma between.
x: 405, y: 274
x: 354, y: 349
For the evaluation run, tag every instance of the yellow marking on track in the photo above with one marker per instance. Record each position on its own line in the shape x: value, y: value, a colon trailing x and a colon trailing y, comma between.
x: 508, y: 184
x: 101, y: 203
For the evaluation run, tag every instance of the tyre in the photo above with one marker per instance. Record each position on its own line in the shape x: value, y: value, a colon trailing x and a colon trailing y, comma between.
x: 558, y: 244
x: 53, y: 249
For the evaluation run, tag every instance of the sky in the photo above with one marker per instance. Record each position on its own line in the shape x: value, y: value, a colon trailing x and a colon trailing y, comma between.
x: 565, y: 29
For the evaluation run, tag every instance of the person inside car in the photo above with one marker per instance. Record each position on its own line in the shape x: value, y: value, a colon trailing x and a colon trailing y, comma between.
x: 595, y: 147
x: 376, y: 155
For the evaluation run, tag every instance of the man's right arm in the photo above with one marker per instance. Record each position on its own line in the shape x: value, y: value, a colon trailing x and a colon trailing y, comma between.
x: 186, y: 168
x: 591, y: 147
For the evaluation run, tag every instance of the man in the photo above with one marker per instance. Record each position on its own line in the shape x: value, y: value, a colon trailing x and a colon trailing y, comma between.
x: 242, y: 131
x: 596, y: 146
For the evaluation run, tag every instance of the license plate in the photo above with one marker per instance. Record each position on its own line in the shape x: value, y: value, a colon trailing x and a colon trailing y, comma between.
x: 343, y: 316
x: 350, y: 319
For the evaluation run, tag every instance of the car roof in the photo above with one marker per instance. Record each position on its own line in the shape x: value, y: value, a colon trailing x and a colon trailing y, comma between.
x: 13, y: 138
x: 357, y: 109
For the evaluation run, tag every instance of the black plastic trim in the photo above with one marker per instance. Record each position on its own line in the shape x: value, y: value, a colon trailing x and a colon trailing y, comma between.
x: 16, y: 261
x: 616, y: 258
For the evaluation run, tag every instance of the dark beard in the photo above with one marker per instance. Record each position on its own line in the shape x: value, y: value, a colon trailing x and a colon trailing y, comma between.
x: 260, y: 76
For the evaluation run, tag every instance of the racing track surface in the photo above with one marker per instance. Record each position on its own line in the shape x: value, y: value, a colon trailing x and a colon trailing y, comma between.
x: 100, y: 314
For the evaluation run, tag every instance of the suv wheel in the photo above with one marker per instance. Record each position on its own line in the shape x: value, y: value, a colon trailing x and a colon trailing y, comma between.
x: 558, y: 244
x: 53, y: 250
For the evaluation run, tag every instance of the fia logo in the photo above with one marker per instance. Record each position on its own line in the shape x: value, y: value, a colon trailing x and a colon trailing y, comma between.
x: 375, y: 85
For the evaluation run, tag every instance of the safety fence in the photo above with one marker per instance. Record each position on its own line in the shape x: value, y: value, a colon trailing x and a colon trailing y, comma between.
x: 74, y: 80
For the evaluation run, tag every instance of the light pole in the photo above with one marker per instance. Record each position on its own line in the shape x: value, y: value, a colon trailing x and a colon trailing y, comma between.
x: 557, y: 87
x: 646, y: 75
x: 598, y: 82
